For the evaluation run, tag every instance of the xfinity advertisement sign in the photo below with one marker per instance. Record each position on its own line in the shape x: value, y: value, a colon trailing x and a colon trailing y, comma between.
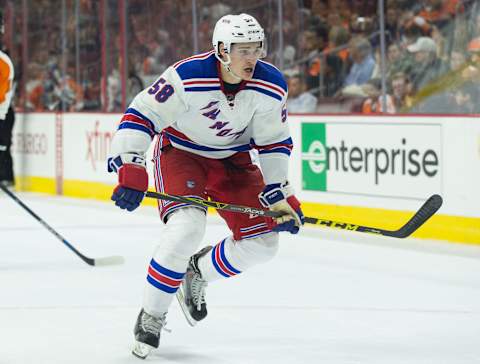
x: 379, y: 159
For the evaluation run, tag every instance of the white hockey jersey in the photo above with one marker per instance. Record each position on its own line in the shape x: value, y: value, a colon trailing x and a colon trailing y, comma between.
x: 187, y: 105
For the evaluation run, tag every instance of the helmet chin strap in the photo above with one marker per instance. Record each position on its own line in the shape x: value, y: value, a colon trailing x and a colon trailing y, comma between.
x: 226, y: 66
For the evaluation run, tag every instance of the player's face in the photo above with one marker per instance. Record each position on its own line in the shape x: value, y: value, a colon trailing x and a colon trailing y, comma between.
x: 244, y: 57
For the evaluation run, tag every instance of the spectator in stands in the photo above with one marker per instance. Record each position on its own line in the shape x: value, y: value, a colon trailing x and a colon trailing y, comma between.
x: 362, y: 25
x: 401, y: 89
x: 334, y: 75
x: 52, y: 78
x: 474, y: 25
x: 465, y: 94
x: 363, y: 7
x: 375, y: 103
x: 391, y: 25
x: 327, y: 71
x: 440, y: 12
x: 334, y: 20
x: 134, y: 84
x: 329, y: 75
x: 60, y: 92
x: 457, y: 60
x: 339, y: 13
x: 415, y: 26
x: 70, y: 93
x: 308, y: 43
x: 320, y: 9
x: 299, y: 99
x: 345, y: 11
x: 313, y: 42
x: 427, y: 65
x: 363, y: 62
x: 398, y: 60
x: 441, y: 42
x: 473, y: 70
x: 338, y: 37
x: 154, y: 60
x: 34, y: 87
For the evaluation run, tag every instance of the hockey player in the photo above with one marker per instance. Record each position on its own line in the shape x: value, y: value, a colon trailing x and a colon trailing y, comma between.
x: 207, y: 112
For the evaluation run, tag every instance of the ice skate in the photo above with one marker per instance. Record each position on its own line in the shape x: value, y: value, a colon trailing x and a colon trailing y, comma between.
x: 191, y: 294
x: 147, y: 333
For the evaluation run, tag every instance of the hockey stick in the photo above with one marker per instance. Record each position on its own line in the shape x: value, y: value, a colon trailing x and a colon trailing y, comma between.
x: 90, y: 261
x: 423, y: 214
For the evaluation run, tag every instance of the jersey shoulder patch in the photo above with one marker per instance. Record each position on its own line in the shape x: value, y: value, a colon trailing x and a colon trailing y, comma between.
x: 202, y: 65
x: 268, y: 80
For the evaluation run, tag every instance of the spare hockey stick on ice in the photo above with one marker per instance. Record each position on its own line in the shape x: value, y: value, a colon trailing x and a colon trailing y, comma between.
x: 97, y: 261
x: 423, y: 214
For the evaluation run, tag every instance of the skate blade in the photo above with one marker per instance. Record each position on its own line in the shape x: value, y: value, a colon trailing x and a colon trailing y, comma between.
x: 141, y: 350
x: 181, y: 301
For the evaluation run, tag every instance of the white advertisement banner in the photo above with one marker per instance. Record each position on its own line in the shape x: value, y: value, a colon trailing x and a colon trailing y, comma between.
x: 376, y: 159
x: 33, y: 145
x: 86, y: 141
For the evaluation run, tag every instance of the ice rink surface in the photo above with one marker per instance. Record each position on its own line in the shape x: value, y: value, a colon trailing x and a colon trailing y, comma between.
x: 328, y: 297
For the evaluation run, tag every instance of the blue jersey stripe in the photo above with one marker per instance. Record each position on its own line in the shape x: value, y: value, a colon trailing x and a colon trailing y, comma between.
x: 224, y: 258
x: 127, y: 125
x: 255, y: 235
x: 161, y: 286
x: 286, y: 141
x: 133, y: 111
x: 165, y: 271
x: 205, y: 88
x: 263, y: 91
x: 276, y: 150
x: 282, y: 143
x: 217, y: 267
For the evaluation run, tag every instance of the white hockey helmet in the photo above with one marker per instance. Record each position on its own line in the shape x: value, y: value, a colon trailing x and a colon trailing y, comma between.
x: 232, y: 29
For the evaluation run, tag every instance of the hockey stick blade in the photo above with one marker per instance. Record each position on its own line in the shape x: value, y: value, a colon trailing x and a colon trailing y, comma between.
x: 113, y: 260
x: 425, y: 212
x: 429, y: 208
x: 90, y: 261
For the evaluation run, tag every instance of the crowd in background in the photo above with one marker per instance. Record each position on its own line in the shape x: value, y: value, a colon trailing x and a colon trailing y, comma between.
x: 432, y: 62
x: 329, y: 51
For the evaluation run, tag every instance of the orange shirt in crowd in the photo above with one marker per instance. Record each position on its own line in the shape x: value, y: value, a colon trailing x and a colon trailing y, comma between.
x: 371, y: 106
x: 6, y: 83
x: 315, y: 65
x: 449, y: 8
x: 34, y: 97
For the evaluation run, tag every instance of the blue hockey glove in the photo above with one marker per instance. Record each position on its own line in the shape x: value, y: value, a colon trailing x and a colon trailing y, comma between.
x: 132, y: 180
x: 279, y: 197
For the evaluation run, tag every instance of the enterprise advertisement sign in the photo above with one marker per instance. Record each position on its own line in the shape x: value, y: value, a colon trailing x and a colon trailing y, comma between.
x: 378, y: 159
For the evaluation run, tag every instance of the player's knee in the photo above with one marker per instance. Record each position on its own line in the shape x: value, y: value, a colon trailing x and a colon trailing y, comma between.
x: 270, y: 245
x: 263, y: 248
x: 189, y: 220
x: 183, y: 232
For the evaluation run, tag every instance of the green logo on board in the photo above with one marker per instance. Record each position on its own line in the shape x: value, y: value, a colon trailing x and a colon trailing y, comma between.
x: 314, y: 157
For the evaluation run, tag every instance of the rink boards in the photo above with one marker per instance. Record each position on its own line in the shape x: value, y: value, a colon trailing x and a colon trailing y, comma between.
x: 371, y: 170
